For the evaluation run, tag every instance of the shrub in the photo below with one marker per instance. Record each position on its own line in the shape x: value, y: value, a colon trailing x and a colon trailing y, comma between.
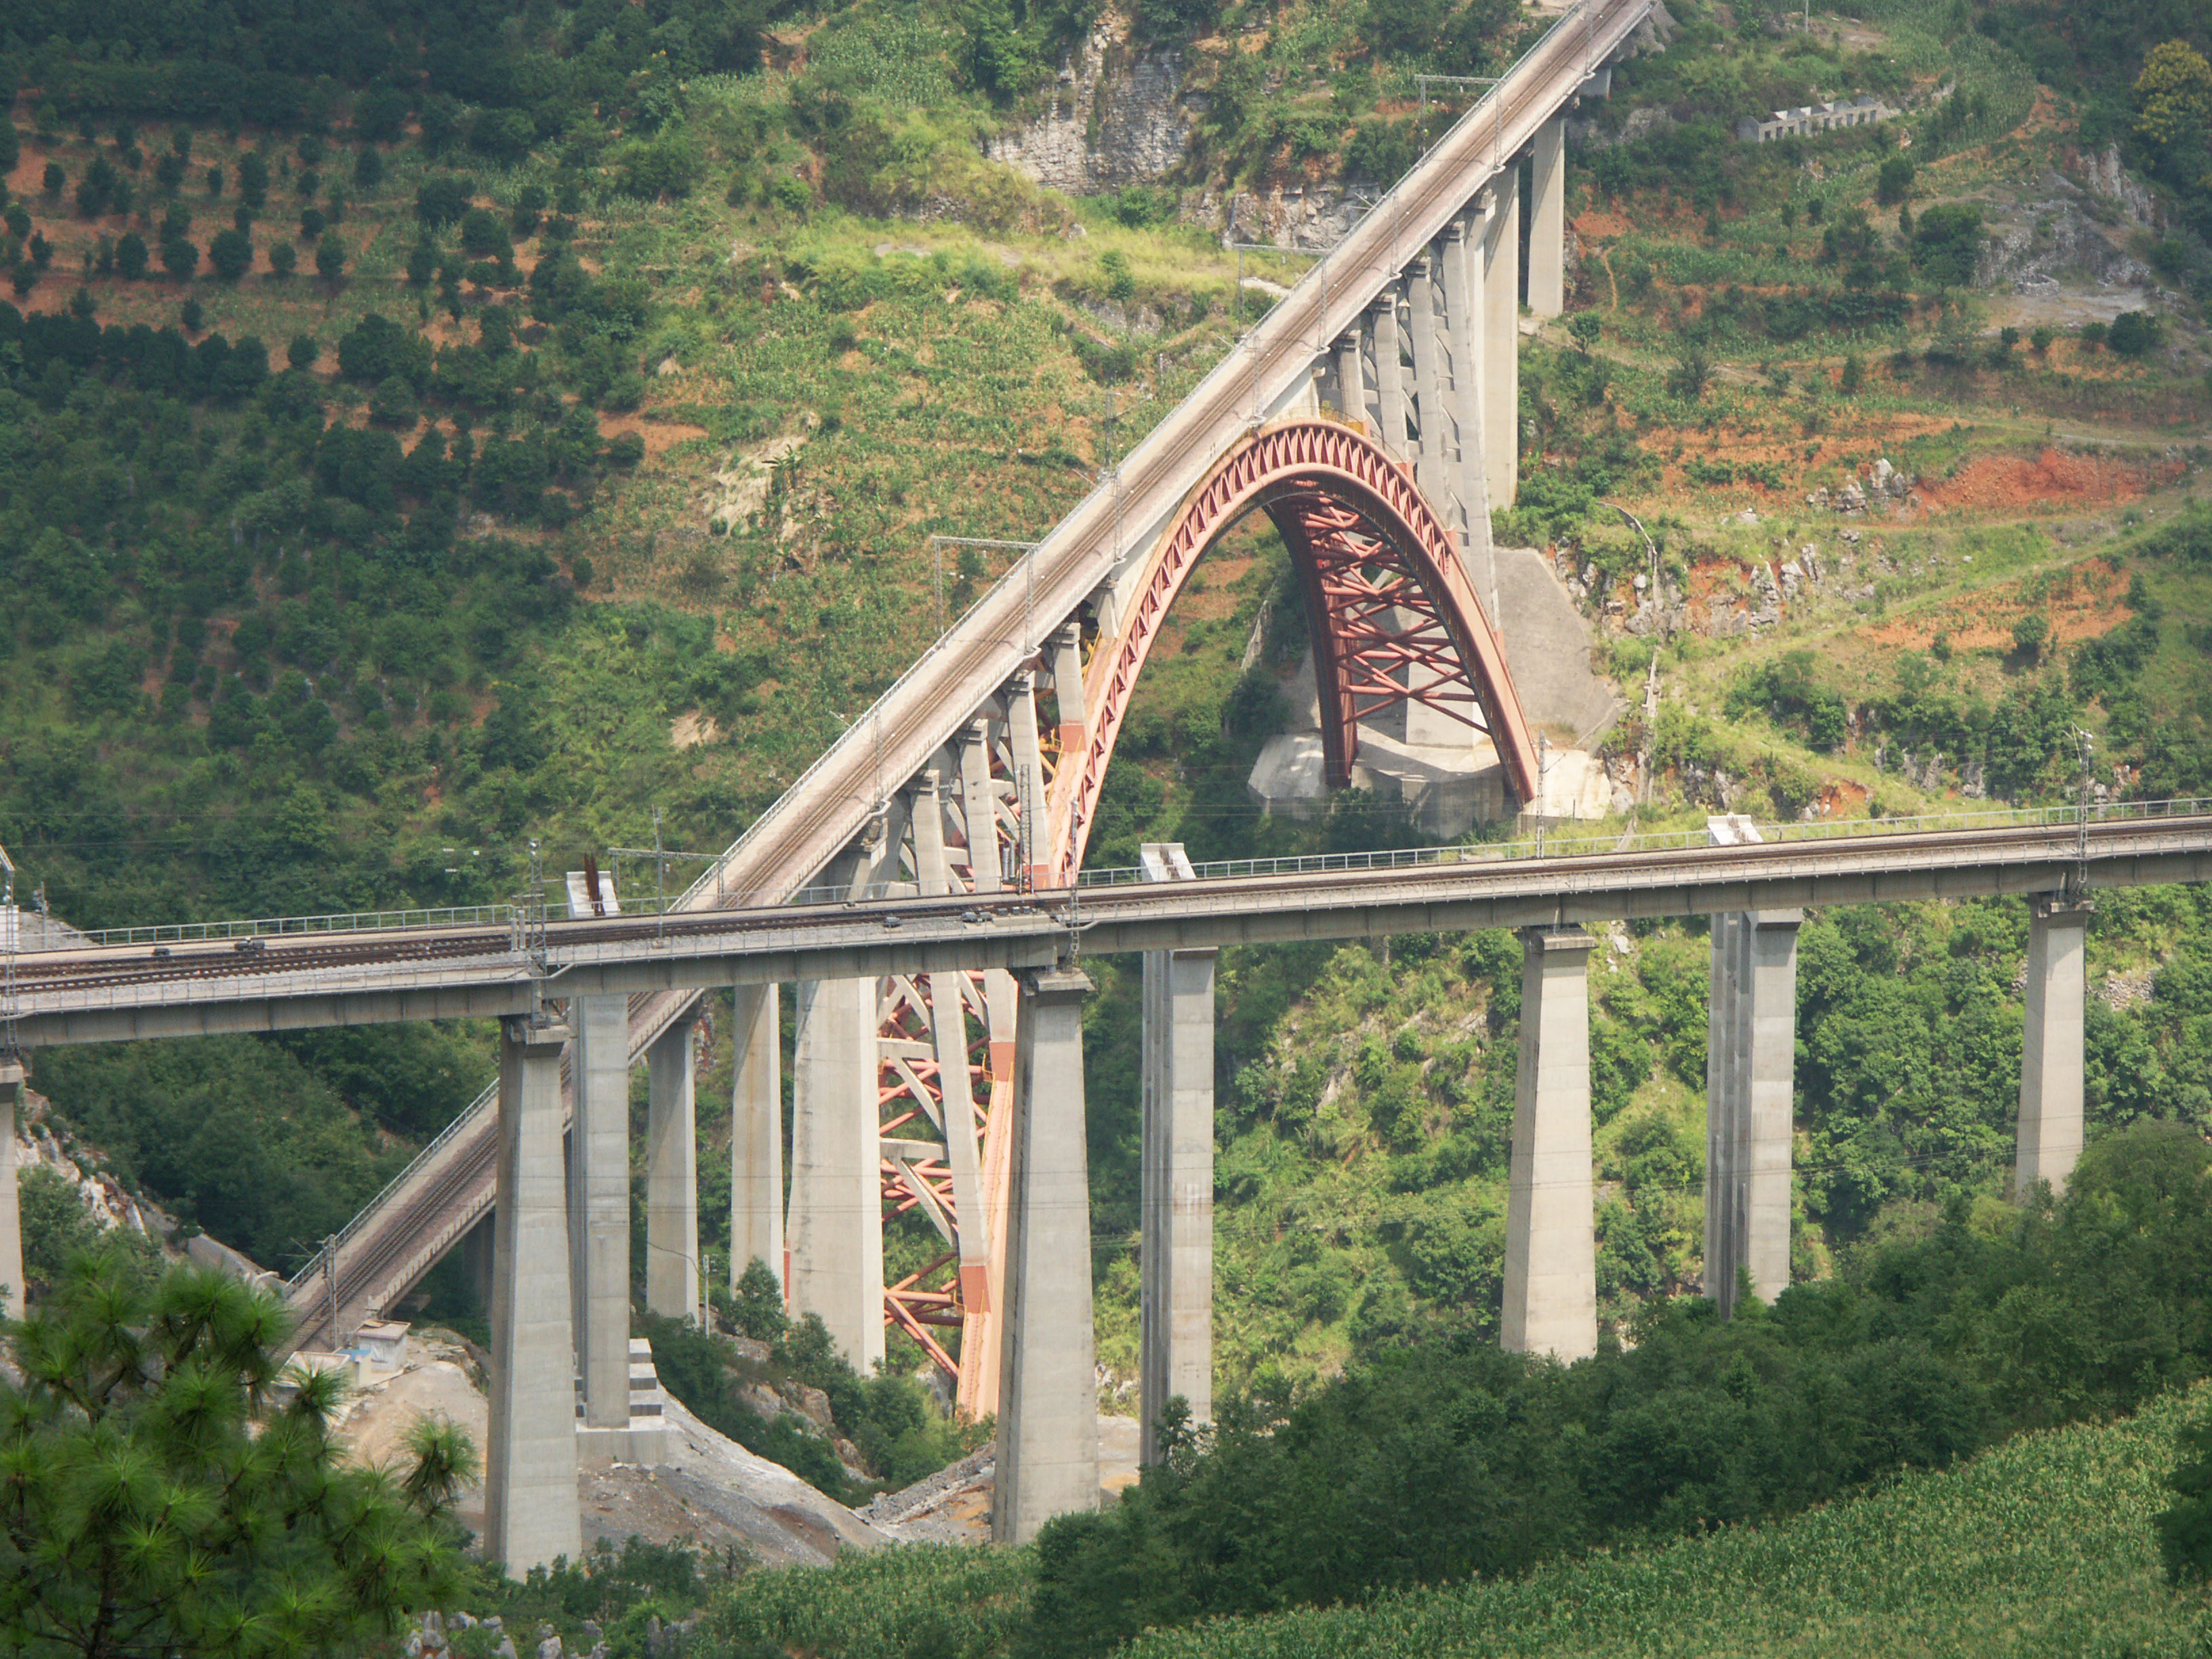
x: 2136, y: 334
x: 483, y: 235
x: 230, y: 255
x: 131, y: 255
x: 283, y: 260
x: 441, y: 199
x: 253, y: 179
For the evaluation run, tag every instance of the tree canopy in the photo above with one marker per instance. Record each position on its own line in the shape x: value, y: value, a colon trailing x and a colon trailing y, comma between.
x: 167, y: 1487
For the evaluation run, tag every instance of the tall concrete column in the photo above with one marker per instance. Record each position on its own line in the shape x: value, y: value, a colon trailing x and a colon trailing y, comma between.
x: 1067, y: 686
x: 1351, y: 378
x: 1462, y: 284
x: 1501, y: 348
x: 1432, y: 400
x: 1175, y: 1175
x: 1750, y: 1089
x: 1034, y: 856
x: 2050, y: 1056
x: 756, y: 1133
x: 1389, y: 371
x: 1551, y: 1238
x: 12, y: 1076
x: 673, y: 1280
x: 836, y: 1225
x: 599, y: 1206
x: 530, y: 1512
x: 978, y: 810
x: 1048, y: 1446
x: 479, y: 1258
x: 1547, y: 220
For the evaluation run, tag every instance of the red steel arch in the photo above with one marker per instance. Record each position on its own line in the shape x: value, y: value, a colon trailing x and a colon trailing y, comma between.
x: 1395, y: 617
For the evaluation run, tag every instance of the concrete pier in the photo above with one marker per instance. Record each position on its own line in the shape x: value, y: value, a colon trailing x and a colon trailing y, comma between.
x: 757, y: 1132
x: 1047, y: 1450
x: 1351, y: 378
x: 479, y: 1253
x: 1462, y: 284
x: 673, y: 1281
x: 1175, y: 1179
x: 12, y: 1085
x: 530, y: 1512
x: 1432, y: 399
x: 599, y: 1206
x: 2050, y: 1053
x: 1501, y: 344
x: 835, y: 1228
x: 1751, y: 1053
x: 1389, y: 370
x: 1550, y: 1239
x: 1548, y: 220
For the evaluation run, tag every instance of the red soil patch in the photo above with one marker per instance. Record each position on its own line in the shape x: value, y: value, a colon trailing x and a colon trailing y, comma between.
x: 1600, y: 225
x: 2001, y: 481
x: 660, y: 436
x: 2094, y: 605
x: 1840, y: 798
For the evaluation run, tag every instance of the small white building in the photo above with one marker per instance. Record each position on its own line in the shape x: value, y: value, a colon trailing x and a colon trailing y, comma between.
x: 1807, y: 120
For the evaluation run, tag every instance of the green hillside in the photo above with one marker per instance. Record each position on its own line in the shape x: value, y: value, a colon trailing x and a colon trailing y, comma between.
x: 2042, y: 1546
x: 430, y: 430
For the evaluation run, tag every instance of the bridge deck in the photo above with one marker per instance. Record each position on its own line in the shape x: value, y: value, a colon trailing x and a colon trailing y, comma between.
x: 109, y: 992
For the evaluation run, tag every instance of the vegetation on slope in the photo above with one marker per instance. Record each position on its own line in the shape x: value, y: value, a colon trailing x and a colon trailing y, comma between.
x: 623, y: 417
x: 2043, y: 1546
x: 1554, y: 1489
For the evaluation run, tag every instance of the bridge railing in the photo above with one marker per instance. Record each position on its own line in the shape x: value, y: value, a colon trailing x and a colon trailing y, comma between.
x: 358, y: 921
x: 422, y: 1160
x: 1555, y: 847
x: 1547, y: 846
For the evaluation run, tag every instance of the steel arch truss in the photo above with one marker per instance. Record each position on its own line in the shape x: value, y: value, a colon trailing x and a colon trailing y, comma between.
x: 1393, y: 616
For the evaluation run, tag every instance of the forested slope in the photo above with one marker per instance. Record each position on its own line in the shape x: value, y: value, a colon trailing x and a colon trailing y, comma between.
x: 430, y: 429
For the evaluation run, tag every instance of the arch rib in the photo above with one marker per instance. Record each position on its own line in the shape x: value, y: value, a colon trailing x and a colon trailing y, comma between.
x: 1393, y: 616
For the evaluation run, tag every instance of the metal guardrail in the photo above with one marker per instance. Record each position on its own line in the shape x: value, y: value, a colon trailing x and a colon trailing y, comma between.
x: 1549, y: 847
x: 1402, y: 858
x: 363, y: 921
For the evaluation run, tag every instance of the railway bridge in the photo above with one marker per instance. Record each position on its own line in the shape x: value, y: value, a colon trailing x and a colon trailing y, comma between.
x: 922, y: 888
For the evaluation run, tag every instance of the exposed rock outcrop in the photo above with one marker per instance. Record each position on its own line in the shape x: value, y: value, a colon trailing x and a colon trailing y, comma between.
x: 1117, y: 116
